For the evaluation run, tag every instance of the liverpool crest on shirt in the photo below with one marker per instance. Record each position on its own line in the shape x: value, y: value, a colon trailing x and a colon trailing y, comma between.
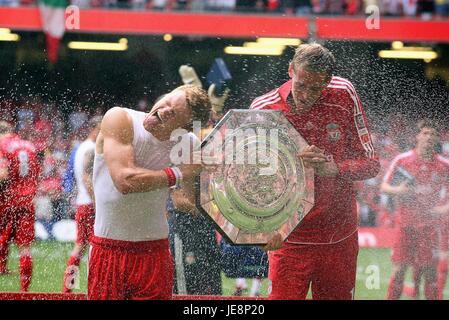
x: 333, y: 131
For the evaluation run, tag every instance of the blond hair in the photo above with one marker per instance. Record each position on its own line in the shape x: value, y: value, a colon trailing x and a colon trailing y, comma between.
x: 198, y: 101
x: 314, y: 57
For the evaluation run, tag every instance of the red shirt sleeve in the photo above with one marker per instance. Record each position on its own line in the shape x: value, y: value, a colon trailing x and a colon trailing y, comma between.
x: 361, y: 161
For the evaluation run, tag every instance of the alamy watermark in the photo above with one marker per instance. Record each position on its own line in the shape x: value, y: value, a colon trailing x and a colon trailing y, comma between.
x: 72, y: 18
x: 372, y: 21
x: 372, y: 281
x: 72, y: 281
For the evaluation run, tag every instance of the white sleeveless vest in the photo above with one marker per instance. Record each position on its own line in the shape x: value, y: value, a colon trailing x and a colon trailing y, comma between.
x: 82, y: 196
x: 134, y: 216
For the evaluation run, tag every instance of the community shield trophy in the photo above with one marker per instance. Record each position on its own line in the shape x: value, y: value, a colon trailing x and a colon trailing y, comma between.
x: 257, y: 185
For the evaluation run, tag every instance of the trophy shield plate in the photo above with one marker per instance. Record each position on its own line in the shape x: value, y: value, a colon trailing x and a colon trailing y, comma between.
x: 257, y: 185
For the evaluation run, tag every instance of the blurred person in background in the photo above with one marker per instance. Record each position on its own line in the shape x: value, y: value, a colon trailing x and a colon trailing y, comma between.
x: 368, y: 196
x: 442, y: 268
x: 85, y: 211
x: 388, y: 150
x: 18, y: 185
x: 193, y: 237
x: 417, y: 178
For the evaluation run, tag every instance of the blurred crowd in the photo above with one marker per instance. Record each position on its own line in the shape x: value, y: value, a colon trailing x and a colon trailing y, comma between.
x: 427, y: 9
x: 56, y: 134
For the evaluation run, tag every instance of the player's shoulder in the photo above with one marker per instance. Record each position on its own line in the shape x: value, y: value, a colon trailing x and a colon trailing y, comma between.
x: 114, y: 112
x: 339, y: 85
x: 340, y: 81
x: 116, y: 118
x: 265, y: 100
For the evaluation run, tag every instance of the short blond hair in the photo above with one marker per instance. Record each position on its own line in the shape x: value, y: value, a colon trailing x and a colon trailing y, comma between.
x: 198, y: 101
x: 314, y: 57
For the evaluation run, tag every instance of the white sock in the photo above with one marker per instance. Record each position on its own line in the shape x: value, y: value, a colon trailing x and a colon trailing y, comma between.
x: 255, y: 287
x: 241, y: 283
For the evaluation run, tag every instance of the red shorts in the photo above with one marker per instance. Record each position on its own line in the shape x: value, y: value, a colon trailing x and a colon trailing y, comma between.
x: 85, y: 218
x: 444, y: 235
x: 416, y: 246
x: 330, y: 269
x: 17, y: 223
x: 444, y: 241
x: 130, y: 270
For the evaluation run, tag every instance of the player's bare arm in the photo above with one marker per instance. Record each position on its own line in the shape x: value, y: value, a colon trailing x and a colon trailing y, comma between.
x: 401, y: 189
x: 88, y: 167
x: 116, y: 143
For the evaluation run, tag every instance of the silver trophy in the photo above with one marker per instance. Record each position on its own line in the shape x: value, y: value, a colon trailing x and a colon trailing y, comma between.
x: 258, y: 185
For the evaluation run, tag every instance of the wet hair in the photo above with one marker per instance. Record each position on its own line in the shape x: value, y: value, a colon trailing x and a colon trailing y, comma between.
x: 314, y: 57
x: 199, y: 103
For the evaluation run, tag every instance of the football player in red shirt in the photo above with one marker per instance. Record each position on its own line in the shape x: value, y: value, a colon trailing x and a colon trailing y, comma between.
x: 327, y: 112
x: 18, y: 187
x: 417, y: 178
x: 442, y: 262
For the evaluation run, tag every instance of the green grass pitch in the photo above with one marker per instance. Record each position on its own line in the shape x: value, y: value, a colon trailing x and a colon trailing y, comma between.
x: 49, y: 259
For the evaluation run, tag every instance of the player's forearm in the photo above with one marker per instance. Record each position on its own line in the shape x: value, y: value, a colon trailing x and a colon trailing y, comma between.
x: 389, y: 189
x: 132, y: 180
x: 360, y: 169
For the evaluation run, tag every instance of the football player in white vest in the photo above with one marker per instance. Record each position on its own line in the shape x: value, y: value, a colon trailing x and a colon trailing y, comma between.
x: 130, y: 257
x: 85, y: 207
